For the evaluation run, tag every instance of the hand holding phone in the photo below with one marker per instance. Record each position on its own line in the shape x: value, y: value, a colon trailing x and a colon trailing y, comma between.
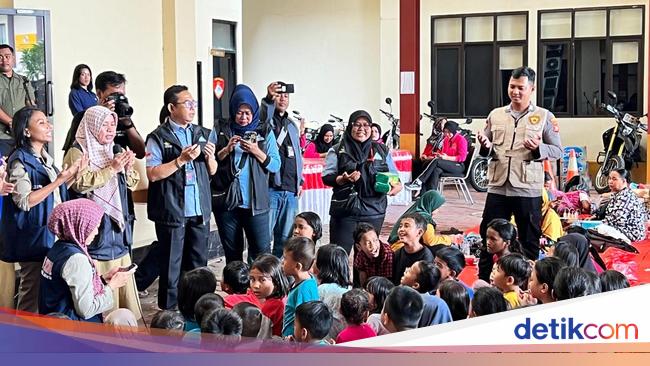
x: 129, y: 268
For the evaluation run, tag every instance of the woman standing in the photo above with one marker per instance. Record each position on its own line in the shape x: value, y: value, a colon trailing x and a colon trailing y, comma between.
x: 38, y: 187
x: 70, y: 281
x: 246, y: 153
x: 106, y: 179
x: 319, y: 147
x: 81, y: 95
x: 351, y: 168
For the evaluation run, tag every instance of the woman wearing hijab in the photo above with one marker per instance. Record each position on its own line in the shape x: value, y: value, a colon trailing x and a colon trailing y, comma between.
x: 246, y: 153
x: 376, y: 133
x: 351, y: 168
x: 582, y: 244
x: 70, y: 281
x: 105, y: 180
x: 426, y: 205
x: 449, y: 161
x: 319, y: 147
x: 38, y: 187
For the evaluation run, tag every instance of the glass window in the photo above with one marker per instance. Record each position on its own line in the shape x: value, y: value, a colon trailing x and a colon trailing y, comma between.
x: 554, y: 76
x: 447, y: 76
x: 591, y: 23
x: 625, y: 75
x: 511, y: 27
x: 510, y: 58
x: 448, y: 30
x: 626, y: 22
x: 478, y: 83
x: 479, y: 29
x: 223, y: 36
x: 590, y: 76
x: 555, y: 25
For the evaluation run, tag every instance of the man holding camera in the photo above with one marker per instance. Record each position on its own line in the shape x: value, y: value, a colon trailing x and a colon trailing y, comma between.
x: 285, y: 186
x: 15, y: 93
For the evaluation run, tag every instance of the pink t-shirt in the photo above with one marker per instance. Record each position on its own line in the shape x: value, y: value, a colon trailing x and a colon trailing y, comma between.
x: 455, y: 146
x: 355, y: 332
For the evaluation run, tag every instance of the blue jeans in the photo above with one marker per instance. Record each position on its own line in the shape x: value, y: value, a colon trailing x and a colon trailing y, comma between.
x: 233, y: 224
x: 284, y: 207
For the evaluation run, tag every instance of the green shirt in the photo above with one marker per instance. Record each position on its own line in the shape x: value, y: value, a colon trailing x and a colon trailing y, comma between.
x: 12, y: 96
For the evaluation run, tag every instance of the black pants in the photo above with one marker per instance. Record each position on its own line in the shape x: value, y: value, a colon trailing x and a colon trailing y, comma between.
x: 182, y: 248
x: 528, y: 216
x: 6, y: 145
x: 148, y: 267
x: 432, y: 173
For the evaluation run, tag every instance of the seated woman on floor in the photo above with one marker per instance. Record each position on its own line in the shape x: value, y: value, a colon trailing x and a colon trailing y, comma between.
x: 625, y: 211
x: 426, y: 206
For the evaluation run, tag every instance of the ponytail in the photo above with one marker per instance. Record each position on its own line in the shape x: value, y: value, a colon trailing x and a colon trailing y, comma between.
x: 508, y: 232
x: 164, y: 113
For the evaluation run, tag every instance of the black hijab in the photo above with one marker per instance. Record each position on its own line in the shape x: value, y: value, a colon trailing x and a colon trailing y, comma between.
x: 321, y: 145
x: 359, y: 151
x: 582, y: 244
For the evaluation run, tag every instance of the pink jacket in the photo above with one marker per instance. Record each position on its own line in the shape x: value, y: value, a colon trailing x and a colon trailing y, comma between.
x: 455, y: 146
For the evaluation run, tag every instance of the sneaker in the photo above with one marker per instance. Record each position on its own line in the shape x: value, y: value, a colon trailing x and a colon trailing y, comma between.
x: 413, y: 186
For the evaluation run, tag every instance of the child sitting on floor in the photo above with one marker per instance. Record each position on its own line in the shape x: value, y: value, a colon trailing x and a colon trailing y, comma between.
x: 486, y: 301
x: 456, y: 297
x: 168, y: 320
x: 402, y: 309
x: 511, y: 277
x: 411, y: 228
x: 611, y: 280
x: 377, y: 289
x: 254, y: 323
x: 542, y: 278
x: 423, y: 277
x: 193, y: 285
x: 235, y: 278
x: 312, y: 323
x: 332, y: 270
x: 297, y: 260
x: 355, y: 308
x: 308, y: 225
x: 451, y: 262
x: 374, y: 258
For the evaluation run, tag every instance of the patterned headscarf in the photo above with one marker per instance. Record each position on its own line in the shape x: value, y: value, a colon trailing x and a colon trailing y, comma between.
x: 73, y: 221
x: 100, y: 157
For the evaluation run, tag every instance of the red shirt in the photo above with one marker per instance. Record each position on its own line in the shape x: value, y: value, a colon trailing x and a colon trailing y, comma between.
x: 380, y: 266
x: 355, y: 332
x: 455, y: 146
x: 272, y: 307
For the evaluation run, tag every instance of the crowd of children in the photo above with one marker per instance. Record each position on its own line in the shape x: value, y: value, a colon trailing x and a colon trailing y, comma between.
x: 308, y: 296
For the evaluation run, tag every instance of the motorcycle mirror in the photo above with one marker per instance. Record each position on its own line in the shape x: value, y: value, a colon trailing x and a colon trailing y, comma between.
x: 611, y: 94
x: 296, y: 112
x: 431, y: 104
x: 389, y: 101
x: 468, y: 120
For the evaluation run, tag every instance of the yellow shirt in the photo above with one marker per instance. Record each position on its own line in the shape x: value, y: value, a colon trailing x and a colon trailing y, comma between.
x: 512, y: 298
x: 430, y: 238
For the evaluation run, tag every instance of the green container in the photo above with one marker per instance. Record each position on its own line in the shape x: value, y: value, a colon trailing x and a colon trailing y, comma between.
x: 383, y: 181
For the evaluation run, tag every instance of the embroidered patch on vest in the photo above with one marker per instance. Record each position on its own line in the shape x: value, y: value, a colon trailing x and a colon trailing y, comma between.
x: 166, y: 145
x: 534, y: 119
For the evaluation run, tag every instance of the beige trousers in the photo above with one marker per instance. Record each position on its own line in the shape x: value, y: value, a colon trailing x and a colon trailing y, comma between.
x: 127, y: 296
x: 7, y: 284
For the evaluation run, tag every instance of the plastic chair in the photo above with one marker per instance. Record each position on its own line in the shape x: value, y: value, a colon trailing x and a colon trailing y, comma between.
x: 459, y: 181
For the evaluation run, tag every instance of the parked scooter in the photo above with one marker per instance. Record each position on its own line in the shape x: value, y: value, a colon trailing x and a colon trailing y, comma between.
x: 339, y: 128
x: 621, y: 144
x: 391, y: 137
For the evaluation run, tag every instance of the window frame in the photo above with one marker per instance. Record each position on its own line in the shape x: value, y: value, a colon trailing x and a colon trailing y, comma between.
x: 496, y: 45
x: 609, y: 40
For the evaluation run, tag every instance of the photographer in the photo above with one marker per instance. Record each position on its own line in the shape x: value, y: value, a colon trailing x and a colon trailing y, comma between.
x: 285, y: 186
x: 247, y: 152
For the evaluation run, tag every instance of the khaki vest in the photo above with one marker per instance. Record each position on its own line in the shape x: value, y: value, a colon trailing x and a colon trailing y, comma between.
x: 512, y: 161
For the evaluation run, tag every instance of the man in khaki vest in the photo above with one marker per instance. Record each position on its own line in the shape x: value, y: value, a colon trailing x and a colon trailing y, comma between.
x: 519, y: 137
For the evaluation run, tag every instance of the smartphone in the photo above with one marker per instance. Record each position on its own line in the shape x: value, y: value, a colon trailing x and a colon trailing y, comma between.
x: 285, y: 88
x: 133, y: 266
x: 250, y: 136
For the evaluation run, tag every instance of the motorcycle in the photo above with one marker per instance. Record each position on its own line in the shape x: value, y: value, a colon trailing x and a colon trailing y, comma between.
x: 478, y: 174
x: 391, y: 137
x: 339, y: 128
x: 620, y: 143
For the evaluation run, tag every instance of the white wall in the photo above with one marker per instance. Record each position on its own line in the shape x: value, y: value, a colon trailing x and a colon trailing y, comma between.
x: 574, y: 131
x: 124, y: 36
x: 389, y: 56
x: 330, y: 50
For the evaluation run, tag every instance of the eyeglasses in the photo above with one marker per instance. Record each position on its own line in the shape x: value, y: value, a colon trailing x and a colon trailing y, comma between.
x: 360, y: 125
x: 189, y: 104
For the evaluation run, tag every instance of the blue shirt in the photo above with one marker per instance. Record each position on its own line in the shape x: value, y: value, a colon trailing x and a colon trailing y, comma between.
x: 81, y: 99
x: 306, y: 291
x: 154, y: 159
x: 245, y: 174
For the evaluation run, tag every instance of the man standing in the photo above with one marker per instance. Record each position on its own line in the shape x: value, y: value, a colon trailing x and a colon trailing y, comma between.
x: 15, y: 93
x: 518, y: 137
x: 285, y: 186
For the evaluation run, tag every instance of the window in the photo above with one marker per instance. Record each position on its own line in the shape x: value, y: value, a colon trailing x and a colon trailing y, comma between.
x: 586, y: 52
x: 472, y: 59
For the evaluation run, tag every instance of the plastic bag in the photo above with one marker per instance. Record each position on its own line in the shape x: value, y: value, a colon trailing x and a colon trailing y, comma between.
x: 624, y: 262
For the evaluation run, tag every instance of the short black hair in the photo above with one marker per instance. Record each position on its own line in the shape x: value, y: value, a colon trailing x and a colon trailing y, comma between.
x: 611, y: 280
x: 488, y: 300
x: 314, y: 221
x: 378, y: 287
x: 594, y: 282
x: 526, y: 71
x: 428, y: 277
x: 5, y: 46
x: 333, y: 265
x: 170, y: 96
x: 508, y: 232
x: 568, y: 253
x: 251, y: 317
x: 75, y: 77
x: 361, y: 229
x: 19, y: 124
x: 205, y: 304
x: 453, y: 257
x: 572, y: 282
x: 316, y: 317
x: 109, y: 78
x: 222, y: 321
x: 624, y: 173
x: 420, y: 222
x: 302, y: 250
x: 235, y: 275
x: 546, y: 269
x: 271, y: 265
x: 192, y: 286
x: 404, y: 307
x: 167, y: 319
x: 456, y: 297
x: 354, y: 305
x: 517, y: 266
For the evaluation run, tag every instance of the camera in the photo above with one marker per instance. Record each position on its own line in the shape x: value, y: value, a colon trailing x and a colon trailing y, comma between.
x: 285, y: 88
x: 250, y: 136
x: 122, y: 107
